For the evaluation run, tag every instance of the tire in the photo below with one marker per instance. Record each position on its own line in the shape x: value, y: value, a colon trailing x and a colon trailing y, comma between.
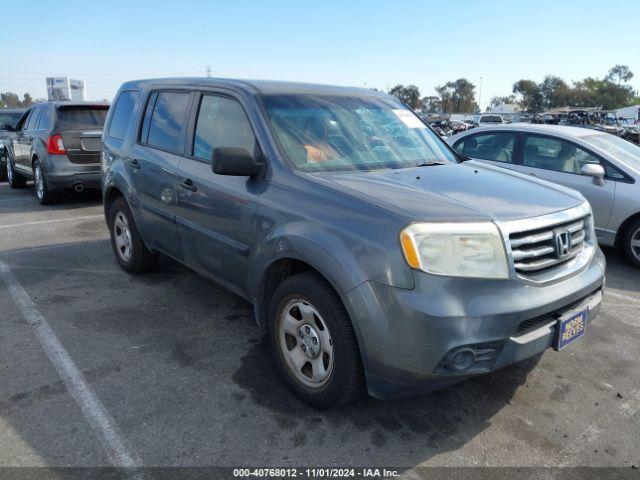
x: 324, y: 380
x: 631, y: 243
x: 129, y: 249
x: 3, y: 169
x: 43, y: 194
x: 15, y: 179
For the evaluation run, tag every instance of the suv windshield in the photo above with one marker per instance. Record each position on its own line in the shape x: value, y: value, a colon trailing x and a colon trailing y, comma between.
x: 325, y: 133
x: 491, y: 119
x: 73, y: 118
x: 10, y: 118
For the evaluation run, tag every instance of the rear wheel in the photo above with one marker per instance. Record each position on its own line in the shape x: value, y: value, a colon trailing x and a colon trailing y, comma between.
x: 631, y: 243
x: 314, y: 343
x: 40, y: 188
x: 130, y: 251
x: 15, y: 179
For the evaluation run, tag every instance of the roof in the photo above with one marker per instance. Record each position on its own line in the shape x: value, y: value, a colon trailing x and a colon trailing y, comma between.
x: 560, y: 130
x: 12, y: 110
x: 256, y: 87
x: 69, y: 103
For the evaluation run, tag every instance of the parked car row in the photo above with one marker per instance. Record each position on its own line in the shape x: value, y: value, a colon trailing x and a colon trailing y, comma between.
x: 9, y: 118
x: 376, y: 256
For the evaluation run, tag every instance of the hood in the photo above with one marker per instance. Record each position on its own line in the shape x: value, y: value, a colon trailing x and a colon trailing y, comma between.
x: 470, y: 191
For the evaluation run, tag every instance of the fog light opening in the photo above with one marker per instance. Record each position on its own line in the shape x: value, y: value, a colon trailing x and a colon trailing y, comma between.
x: 462, y: 360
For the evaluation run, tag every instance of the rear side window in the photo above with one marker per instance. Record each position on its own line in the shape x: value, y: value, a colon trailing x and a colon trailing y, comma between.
x: 221, y: 123
x: 497, y: 147
x: 81, y: 117
x: 122, y: 114
x: 44, y: 122
x: 165, y: 122
x: 31, y: 123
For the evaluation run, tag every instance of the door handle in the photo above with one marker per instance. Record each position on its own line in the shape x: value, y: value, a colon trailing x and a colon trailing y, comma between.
x: 188, y: 185
x: 134, y: 163
x: 533, y: 174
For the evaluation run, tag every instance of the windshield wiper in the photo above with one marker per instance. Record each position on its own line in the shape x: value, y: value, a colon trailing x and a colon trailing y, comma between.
x: 429, y: 164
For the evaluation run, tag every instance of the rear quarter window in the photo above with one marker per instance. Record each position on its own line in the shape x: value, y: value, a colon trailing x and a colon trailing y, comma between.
x: 81, y: 117
x: 122, y: 113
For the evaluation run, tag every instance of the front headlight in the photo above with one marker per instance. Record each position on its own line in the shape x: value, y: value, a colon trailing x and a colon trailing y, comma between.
x: 456, y: 249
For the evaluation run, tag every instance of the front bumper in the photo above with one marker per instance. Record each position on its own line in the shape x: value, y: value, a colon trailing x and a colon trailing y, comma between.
x: 406, y: 335
x: 61, y: 173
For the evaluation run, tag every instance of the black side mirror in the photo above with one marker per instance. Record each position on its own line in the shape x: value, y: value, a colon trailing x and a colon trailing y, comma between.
x: 235, y: 161
x: 7, y: 127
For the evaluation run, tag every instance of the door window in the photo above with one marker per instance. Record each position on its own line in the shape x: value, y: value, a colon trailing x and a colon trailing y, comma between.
x: 167, y: 120
x: 554, y: 154
x: 497, y: 147
x: 221, y: 122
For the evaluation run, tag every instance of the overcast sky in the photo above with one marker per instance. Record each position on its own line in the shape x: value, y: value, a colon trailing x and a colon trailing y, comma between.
x: 369, y: 43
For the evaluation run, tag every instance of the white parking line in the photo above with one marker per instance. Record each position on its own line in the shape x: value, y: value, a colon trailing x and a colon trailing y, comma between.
x: 41, y: 222
x: 92, y: 408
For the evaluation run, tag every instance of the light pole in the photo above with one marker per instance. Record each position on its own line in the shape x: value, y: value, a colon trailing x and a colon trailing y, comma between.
x: 480, y: 96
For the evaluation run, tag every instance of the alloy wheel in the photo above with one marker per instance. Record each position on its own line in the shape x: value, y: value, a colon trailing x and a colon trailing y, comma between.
x: 9, y: 171
x: 305, y: 343
x: 635, y: 244
x: 122, y: 236
x: 39, y: 182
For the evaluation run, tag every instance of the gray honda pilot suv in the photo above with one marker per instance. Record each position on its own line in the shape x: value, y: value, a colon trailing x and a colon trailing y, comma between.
x: 373, y: 257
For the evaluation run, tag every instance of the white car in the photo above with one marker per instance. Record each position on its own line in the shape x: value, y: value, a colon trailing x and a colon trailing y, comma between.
x: 601, y: 166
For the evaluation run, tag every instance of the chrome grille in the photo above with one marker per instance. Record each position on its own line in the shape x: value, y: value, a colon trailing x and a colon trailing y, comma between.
x: 540, y: 250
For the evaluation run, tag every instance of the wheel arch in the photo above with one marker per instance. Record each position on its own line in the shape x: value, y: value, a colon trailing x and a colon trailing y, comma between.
x: 623, y: 228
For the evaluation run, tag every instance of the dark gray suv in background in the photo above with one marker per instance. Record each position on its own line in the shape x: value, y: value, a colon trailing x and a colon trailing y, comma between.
x: 372, y: 256
x: 9, y: 117
x: 57, y: 144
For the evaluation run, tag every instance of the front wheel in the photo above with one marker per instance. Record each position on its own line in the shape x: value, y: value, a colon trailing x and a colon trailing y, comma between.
x: 314, y: 343
x: 631, y: 243
x: 129, y: 249
x: 15, y: 179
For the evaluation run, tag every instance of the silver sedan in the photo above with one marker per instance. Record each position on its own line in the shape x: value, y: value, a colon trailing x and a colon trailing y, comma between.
x: 603, y: 167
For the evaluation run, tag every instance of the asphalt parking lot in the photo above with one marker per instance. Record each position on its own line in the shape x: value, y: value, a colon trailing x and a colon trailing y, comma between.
x: 187, y: 378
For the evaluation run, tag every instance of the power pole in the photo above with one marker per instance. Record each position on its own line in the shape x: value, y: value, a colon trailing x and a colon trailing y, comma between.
x: 480, y: 96
x: 208, y: 71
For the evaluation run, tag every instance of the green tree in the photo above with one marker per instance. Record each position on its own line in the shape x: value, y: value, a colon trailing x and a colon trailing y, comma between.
x: 431, y: 104
x: 495, y: 101
x: 530, y: 99
x: 458, y: 96
x: 409, y: 95
x: 619, y: 74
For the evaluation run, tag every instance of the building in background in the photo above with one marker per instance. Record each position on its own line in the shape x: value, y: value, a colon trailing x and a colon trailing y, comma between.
x: 504, y: 108
x: 65, y: 88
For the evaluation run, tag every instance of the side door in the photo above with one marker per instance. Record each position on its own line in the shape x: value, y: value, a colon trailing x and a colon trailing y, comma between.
x: 560, y: 161
x: 494, y: 148
x: 23, y: 140
x: 216, y: 213
x: 153, y: 163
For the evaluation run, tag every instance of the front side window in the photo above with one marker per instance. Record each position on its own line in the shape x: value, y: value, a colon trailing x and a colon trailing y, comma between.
x: 497, y: 147
x: 167, y: 119
x: 554, y: 154
x: 221, y: 123
x: 351, y: 132
x: 122, y: 114
x: 80, y: 117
